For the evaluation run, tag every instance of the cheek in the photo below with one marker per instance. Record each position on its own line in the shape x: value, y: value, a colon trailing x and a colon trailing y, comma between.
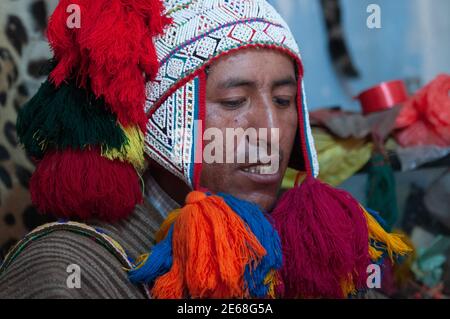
x: 212, y: 176
x: 217, y: 176
x: 217, y: 117
x: 289, y: 130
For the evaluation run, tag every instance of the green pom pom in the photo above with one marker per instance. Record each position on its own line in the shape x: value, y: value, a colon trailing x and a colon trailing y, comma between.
x: 381, y: 190
x: 67, y: 117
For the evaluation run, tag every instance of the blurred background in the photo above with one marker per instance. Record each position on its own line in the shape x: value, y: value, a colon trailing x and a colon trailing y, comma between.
x: 390, y: 150
x: 412, y: 44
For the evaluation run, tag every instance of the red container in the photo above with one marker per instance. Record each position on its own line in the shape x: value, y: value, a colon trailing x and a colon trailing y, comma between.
x: 384, y: 96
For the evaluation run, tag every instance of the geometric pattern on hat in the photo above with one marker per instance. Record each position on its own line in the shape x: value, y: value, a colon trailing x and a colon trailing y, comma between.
x: 202, y: 31
x: 171, y: 134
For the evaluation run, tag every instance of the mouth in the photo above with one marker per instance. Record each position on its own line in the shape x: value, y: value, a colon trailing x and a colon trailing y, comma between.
x: 259, y: 169
x: 261, y: 173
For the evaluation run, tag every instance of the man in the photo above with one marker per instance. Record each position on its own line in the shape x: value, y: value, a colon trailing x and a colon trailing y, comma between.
x: 220, y: 65
x: 249, y: 89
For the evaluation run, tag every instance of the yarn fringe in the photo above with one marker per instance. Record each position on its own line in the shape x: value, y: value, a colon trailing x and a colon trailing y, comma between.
x: 83, y: 184
x: 214, y: 269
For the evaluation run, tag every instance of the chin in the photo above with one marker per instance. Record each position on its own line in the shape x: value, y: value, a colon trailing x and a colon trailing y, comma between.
x: 265, y: 201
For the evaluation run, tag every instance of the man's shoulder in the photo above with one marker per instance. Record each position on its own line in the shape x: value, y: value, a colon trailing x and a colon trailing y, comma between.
x: 67, y: 262
x: 66, y: 239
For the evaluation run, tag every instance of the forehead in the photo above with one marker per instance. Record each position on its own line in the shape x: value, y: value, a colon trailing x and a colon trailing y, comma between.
x: 254, y: 62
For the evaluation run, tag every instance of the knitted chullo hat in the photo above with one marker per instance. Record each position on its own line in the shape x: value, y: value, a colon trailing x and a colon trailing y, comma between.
x: 132, y: 78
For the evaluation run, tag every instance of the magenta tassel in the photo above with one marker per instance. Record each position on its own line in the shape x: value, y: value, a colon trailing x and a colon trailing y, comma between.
x: 324, y: 237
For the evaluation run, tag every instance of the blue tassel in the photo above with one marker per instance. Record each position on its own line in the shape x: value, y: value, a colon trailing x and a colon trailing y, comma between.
x: 267, y: 236
x: 157, y: 264
x: 378, y: 218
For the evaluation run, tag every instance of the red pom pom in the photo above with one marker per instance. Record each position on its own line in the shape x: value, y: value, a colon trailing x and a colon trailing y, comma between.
x: 63, y: 42
x: 83, y: 184
x: 325, y: 241
x: 113, y: 49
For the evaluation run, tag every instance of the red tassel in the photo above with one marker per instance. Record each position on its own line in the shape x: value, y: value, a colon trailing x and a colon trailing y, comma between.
x: 325, y: 241
x: 113, y: 49
x: 62, y: 41
x: 84, y: 184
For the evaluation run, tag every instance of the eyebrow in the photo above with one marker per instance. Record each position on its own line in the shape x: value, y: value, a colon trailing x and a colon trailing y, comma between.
x: 239, y: 82
x: 289, y: 81
x: 235, y: 82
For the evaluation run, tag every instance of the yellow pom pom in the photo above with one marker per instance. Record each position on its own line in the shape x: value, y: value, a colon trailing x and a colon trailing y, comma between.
x: 131, y: 152
x: 348, y: 287
x: 394, y: 242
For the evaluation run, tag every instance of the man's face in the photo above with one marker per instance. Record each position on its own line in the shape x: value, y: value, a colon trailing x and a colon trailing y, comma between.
x: 251, y: 89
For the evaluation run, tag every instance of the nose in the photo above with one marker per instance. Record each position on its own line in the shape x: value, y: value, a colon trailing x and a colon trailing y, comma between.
x: 265, y: 115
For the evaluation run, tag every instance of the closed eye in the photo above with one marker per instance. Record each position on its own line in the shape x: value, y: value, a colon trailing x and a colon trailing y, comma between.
x: 282, y: 101
x: 233, y: 104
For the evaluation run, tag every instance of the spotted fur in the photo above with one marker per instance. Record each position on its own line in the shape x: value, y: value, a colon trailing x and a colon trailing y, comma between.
x: 23, y: 54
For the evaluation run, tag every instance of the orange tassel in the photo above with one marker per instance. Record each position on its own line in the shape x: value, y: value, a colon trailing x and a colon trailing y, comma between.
x: 211, y: 248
